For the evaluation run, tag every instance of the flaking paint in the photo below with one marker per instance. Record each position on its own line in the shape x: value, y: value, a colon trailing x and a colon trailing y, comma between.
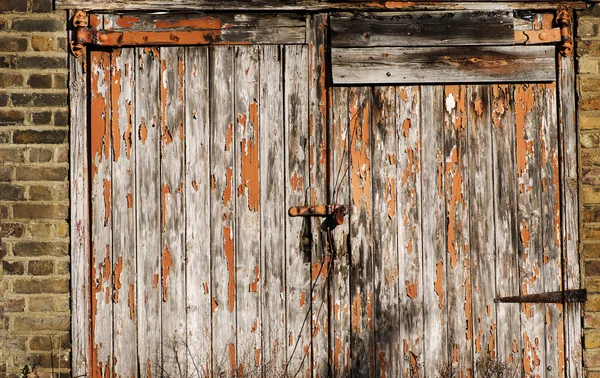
x: 166, y: 267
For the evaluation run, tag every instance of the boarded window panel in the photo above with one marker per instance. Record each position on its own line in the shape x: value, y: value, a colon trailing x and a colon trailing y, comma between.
x: 385, y: 65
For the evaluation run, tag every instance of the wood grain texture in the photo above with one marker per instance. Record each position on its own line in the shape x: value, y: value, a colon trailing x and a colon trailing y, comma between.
x: 197, y: 210
x: 101, y: 217
x: 433, y: 231
x: 273, y: 217
x: 247, y: 202
x: 123, y: 134
x: 437, y: 28
x: 385, y: 224
x: 458, y: 177
x: 297, y: 179
x: 147, y: 202
x: 408, y: 203
x: 385, y: 65
x: 223, y: 182
x: 509, y: 340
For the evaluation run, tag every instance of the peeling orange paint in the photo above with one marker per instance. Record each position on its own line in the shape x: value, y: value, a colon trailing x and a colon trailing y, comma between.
x: 411, y: 289
x: 229, y: 137
x: 228, y: 248
x: 118, y: 270
x: 99, y: 114
x: 228, y: 192
x: 231, y: 349
x: 296, y: 182
x: 406, y: 127
x: 439, y: 285
x: 360, y: 155
x: 107, y: 200
x: 193, y: 23
x: 195, y: 185
x: 356, y: 312
x: 127, y: 21
x: 524, y: 104
x: 214, y: 304
x: 166, y: 136
x: 205, y: 285
x: 390, y: 196
x: 302, y: 299
x: 166, y: 189
x: 131, y: 301
x: 455, y: 182
x: 155, y: 280
x: 143, y: 131
x: 249, y: 174
x: 254, y: 284
x: 166, y: 266
x: 525, y: 236
x: 129, y: 200
x: 115, y: 88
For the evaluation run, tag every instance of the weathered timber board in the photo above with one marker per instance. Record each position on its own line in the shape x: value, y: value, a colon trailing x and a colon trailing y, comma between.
x: 379, y: 65
x: 437, y: 28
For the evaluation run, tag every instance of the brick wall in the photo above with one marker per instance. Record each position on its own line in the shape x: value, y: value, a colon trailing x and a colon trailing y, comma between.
x: 34, y: 195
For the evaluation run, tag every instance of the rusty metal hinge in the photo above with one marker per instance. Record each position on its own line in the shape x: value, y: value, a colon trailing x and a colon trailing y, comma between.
x: 78, y: 40
x: 333, y: 214
x: 564, y: 21
x: 564, y: 296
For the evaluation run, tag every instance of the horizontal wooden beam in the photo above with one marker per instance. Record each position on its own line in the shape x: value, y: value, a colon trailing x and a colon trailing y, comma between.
x: 434, y: 28
x: 379, y: 65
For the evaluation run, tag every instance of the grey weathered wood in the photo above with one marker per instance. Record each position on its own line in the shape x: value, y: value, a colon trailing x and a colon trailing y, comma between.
x: 361, y: 243
x: 297, y: 183
x: 147, y: 202
x: 528, y: 218
x: 247, y: 202
x: 273, y: 211
x: 410, y: 252
x: 567, y: 129
x: 550, y: 221
x: 223, y: 182
x: 385, y: 225
x: 481, y: 233
x: 123, y: 135
x: 433, y: 230
x: 172, y: 179
x: 339, y: 280
x: 316, y: 38
x: 197, y: 210
x: 384, y: 65
x: 101, y: 219
x: 436, y: 28
x: 458, y: 178
x: 509, y: 340
x: 80, y: 217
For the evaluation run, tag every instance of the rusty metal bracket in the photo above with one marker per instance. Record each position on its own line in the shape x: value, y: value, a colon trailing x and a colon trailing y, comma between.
x: 534, y: 37
x: 333, y: 214
x: 78, y: 40
x: 564, y: 21
x: 566, y: 296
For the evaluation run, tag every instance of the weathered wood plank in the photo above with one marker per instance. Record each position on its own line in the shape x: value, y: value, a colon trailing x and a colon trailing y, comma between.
x: 101, y: 217
x: 247, y: 202
x: 385, y: 225
x: 437, y: 28
x: 550, y: 221
x: 272, y: 200
x: 172, y: 172
x: 80, y: 217
x: 223, y: 181
x: 481, y: 235
x: 361, y: 245
x: 509, y: 340
x: 433, y: 230
x: 567, y: 129
x: 458, y: 272
x: 197, y: 210
x: 297, y: 232
x: 528, y: 217
x: 410, y: 253
x: 147, y: 204
x: 316, y: 36
x: 339, y: 280
x: 384, y: 65
x: 123, y: 212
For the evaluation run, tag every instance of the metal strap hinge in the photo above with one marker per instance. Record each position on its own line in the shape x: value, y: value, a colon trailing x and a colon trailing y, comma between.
x: 564, y: 296
x: 334, y: 214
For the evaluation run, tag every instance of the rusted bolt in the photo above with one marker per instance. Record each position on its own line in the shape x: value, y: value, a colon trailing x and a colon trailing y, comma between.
x: 311, y: 209
x: 388, y: 74
x: 543, y: 36
x: 102, y: 37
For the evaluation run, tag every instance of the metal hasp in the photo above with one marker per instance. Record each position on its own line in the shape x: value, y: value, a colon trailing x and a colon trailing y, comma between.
x: 334, y: 214
x: 566, y: 296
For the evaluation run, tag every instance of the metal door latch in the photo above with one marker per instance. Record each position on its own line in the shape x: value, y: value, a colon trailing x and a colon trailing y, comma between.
x: 333, y: 214
x: 565, y: 296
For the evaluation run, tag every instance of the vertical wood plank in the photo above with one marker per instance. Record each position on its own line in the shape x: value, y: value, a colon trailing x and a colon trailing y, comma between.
x: 222, y: 243
x: 433, y: 225
x: 530, y: 243
x: 147, y: 205
x: 297, y: 229
x: 101, y: 219
x: 80, y: 217
x: 361, y: 255
x: 316, y: 36
x: 339, y: 281
x: 481, y: 235
x: 457, y: 180
x: 247, y: 145
x: 123, y: 212
x: 272, y: 228
x: 172, y: 171
x: 197, y: 210
x: 550, y: 221
x: 570, y: 207
x: 385, y: 245
x: 509, y: 341
x: 410, y: 252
